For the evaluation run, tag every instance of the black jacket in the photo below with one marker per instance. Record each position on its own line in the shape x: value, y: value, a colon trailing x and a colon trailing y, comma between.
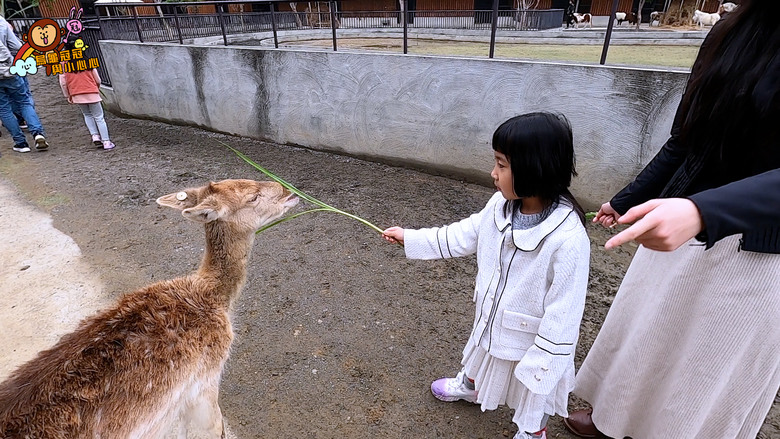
x: 733, y: 196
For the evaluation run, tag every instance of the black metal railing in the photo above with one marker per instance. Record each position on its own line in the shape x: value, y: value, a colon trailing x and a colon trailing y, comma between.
x: 91, y: 36
x: 172, y: 22
x: 176, y: 22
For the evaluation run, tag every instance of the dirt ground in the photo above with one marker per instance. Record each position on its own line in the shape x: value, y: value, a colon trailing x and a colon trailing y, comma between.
x: 338, y: 335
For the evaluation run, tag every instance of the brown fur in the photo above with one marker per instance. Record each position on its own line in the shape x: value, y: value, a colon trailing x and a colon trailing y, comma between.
x: 132, y: 370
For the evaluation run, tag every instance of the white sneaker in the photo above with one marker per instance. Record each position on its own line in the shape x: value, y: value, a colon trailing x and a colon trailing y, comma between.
x: 453, y: 389
x: 21, y: 148
x: 40, y: 142
x: 524, y: 435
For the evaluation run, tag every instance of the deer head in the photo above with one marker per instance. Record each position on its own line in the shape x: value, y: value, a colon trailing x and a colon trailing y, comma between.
x: 246, y: 204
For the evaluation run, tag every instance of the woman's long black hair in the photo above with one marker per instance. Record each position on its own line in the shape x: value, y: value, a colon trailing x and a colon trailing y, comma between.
x: 736, y: 77
x: 540, y: 151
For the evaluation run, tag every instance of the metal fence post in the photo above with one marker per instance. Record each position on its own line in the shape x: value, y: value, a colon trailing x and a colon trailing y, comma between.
x: 100, y: 25
x: 332, y: 5
x: 406, y: 26
x: 221, y: 22
x: 273, y: 24
x: 493, y: 27
x: 176, y: 20
x: 137, y: 26
x: 609, y: 33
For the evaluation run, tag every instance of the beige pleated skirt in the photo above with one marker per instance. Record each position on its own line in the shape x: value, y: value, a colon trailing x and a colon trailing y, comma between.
x: 496, y: 385
x: 690, y: 347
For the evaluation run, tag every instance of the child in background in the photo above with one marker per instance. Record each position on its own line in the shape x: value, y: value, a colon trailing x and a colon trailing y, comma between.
x: 533, y: 256
x: 83, y: 88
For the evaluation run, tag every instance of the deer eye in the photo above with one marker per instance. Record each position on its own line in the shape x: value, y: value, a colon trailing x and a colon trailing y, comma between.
x: 254, y: 198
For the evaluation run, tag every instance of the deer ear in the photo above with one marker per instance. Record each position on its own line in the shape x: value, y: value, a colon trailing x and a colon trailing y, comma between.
x: 204, y: 212
x: 181, y: 200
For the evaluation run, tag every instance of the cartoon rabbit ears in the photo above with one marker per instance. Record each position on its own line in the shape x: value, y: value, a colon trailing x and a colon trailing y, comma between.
x: 75, y: 15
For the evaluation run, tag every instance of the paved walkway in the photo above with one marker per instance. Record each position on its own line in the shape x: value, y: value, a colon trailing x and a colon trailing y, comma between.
x: 45, y: 286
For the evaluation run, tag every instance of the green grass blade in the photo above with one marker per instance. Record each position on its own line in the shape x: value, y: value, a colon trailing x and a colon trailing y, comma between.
x: 303, y: 195
x: 355, y: 217
x: 275, y: 177
x: 287, y: 218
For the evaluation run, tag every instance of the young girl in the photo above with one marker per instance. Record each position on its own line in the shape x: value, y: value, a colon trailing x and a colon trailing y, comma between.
x: 83, y: 88
x: 533, y: 257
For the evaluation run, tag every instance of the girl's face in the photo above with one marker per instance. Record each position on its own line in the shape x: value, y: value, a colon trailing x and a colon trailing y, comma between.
x: 502, y: 176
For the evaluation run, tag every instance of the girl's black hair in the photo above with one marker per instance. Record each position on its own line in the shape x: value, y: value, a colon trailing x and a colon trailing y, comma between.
x: 70, y: 42
x: 540, y: 151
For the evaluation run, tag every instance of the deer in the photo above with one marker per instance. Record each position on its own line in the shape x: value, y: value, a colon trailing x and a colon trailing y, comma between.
x: 154, y: 360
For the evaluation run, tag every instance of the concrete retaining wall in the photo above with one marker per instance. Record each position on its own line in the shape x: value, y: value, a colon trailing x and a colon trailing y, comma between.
x: 437, y: 113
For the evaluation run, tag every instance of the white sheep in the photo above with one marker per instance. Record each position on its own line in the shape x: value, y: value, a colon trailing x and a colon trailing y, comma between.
x: 705, y: 19
x: 655, y: 18
x: 726, y: 8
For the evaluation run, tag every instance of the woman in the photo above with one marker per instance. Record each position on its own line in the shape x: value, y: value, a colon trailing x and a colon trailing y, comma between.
x: 691, y: 345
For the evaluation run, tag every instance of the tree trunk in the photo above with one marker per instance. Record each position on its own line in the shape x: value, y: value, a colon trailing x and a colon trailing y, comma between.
x: 294, y: 7
x: 21, y: 8
x: 639, y: 13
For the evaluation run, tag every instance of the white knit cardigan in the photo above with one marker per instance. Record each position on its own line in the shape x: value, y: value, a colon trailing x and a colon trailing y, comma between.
x: 530, y: 288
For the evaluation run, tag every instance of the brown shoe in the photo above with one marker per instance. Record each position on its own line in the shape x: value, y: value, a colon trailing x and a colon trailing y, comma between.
x: 581, y: 424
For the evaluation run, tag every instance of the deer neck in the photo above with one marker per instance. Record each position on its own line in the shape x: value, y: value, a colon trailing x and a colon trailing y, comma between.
x: 226, y: 258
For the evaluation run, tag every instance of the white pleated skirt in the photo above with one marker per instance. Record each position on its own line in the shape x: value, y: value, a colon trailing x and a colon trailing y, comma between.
x: 496, y: 385
x: 690, y: 347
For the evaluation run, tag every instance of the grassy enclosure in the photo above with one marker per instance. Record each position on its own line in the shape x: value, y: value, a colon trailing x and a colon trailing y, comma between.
x: 645, y: 55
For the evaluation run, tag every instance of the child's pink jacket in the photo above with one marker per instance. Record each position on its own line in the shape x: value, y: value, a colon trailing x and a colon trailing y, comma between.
x: 81, y: 87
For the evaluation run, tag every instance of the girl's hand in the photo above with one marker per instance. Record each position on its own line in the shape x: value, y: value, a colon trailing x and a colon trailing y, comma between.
x: 394, y: 235
x: 607, y: 216
x: 661, y: 224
